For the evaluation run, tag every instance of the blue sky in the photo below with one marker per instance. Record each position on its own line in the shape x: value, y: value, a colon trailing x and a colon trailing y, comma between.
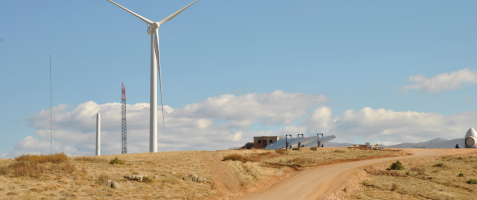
x: 357, y: 54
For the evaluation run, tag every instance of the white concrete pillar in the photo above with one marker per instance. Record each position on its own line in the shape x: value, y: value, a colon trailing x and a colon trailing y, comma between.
x: 98, y: 134
x: 153, y: 100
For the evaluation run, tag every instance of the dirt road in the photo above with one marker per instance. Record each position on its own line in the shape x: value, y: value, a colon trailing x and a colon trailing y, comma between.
x: 313, y: 183
x: 225, y: 181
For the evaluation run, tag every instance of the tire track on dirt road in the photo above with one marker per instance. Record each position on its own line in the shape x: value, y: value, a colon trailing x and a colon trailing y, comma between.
x: 224, y: 179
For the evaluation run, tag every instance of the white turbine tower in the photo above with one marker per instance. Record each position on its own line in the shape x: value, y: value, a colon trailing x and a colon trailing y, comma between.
x: 153, y: 30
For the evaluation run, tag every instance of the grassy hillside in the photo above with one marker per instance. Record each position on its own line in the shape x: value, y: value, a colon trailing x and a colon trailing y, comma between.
x: 87, y: 177
x: 165, y: 175
x: 448, y: 178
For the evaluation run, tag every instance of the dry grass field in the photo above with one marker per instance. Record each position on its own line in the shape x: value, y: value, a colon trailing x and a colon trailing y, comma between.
x: 446, y: 178
x: 86, y: 177
x: 253, y: 165
x: 61, y: 177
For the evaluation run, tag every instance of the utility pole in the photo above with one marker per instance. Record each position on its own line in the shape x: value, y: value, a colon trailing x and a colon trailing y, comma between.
x: 51, y: 111
x: 124, y: 149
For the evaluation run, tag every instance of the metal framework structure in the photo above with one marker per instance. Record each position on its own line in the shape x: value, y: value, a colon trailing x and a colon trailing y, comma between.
x: 124, y: 130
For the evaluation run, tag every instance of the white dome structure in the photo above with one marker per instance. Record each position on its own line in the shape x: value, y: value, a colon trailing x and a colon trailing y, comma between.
x: 470, y: 139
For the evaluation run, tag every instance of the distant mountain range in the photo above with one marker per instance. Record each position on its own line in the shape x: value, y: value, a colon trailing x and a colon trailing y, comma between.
x: 437, y: 143
x: 336, y: 144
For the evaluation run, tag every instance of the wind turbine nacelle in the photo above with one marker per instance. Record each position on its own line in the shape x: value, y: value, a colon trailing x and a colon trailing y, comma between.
x: 470, y: 139
x: 152, y: 27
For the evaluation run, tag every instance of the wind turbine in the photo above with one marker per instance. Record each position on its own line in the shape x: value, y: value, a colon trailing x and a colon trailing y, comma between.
x: 152, y: 28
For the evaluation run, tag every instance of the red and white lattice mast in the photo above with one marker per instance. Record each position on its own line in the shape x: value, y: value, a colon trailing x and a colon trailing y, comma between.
x: 124, y: 149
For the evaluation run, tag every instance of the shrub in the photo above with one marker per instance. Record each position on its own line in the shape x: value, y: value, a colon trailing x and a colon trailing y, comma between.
x: 89, y: 159
x: 31, y: 165
x: 35, y: 190
x: 26, y: 169
x: 42, y: 158
x: 339, y: 151
x: 395, y: 187
x: 234, y: 157
x: 12, y: 193
x: 439, y: 165
x: 4, y: 170
x: 419, y: 170
x: 367, y: 183
x: 116, y: 161
x: 147, y: 179
x: 471, y: 181
x: 102, y: 179
x: 407, y: 173
x: 281, y: 151
x: 459, y: 158
x: 301, y: 161
x: 68, y: 167
x: 461, y: 175
x: 397, y: 166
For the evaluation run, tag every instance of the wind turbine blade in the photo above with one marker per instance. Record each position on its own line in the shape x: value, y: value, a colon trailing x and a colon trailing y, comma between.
x: 139, y: 16
x: 156, y: 50
x: 174, y: 14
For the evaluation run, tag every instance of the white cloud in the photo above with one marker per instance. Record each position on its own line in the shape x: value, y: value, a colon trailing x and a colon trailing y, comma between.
x: 215, y: 123
x: 227, y: 121
x: 237, y: 136
x: 275, y: 108
x: 443, y: 81
x: 321, y: 120
x: 31, y: 145
x: 389, y: 126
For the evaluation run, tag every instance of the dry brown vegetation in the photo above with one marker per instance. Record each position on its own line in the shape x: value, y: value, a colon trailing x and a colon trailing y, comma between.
x: 34, y: 166
x: 86, y: 177
x: 448, y: 178
x: 62, y: 177
x: 102, y: 179
x: 234, y: 157
x: 282, y: 151
x: 91, y: 159
x: 253, y: 165
x: 42, y: 158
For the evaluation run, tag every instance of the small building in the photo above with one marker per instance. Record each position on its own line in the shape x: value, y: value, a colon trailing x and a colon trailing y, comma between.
x: 368, y: 144
x: 260, y: 142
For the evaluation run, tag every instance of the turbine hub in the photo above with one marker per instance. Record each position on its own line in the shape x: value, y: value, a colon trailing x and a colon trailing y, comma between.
x: 152, y: 27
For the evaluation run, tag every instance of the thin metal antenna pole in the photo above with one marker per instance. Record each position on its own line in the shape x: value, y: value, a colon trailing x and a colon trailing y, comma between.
x: 51, y: 110
x: 124, y: 149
